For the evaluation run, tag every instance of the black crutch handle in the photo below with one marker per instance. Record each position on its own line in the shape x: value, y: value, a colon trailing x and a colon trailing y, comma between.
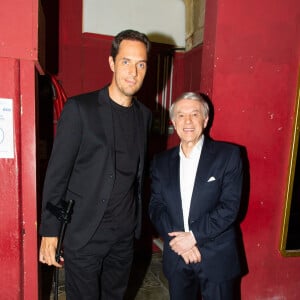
x: 65, y: 218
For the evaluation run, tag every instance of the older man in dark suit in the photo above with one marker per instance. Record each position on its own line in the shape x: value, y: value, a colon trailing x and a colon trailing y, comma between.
x: 98, y: 161
x: 196, y: 192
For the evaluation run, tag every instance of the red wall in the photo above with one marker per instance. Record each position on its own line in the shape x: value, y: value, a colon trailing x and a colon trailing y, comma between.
x: 250, y: 69
x: 248, y: 65
x: 18, y: 232
x: 10, y: 228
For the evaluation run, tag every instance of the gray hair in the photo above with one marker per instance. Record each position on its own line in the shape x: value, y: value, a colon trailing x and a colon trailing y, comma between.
x: 190, y: 96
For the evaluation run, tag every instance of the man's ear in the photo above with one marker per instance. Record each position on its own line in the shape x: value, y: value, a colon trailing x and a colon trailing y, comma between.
x: 111, y: 63
x: 174, y: 124
x: 206, y: 122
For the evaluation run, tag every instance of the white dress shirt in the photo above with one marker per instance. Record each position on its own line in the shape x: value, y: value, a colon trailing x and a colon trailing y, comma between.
x: 188, y: 170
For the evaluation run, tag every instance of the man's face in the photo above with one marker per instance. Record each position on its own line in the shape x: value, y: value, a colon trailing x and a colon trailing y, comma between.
x: 129, y: 67
x: 189, y: 121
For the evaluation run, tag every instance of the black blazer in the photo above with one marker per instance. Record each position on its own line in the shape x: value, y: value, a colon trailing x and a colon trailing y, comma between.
x: 214, y: 207
x: 82, y: 165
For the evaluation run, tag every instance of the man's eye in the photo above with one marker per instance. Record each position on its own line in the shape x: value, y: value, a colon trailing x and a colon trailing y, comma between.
x: 125, y: 62
x: 142, y: 65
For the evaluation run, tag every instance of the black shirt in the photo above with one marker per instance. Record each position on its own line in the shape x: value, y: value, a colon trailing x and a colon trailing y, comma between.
x: 120, y: 212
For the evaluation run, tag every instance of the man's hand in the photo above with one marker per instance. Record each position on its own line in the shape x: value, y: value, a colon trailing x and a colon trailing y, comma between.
x: 192, y: 256
x: 48, y: 250
x: 182, y: 241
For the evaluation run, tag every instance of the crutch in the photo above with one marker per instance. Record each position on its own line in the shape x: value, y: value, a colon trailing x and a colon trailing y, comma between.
x: 64, y: 215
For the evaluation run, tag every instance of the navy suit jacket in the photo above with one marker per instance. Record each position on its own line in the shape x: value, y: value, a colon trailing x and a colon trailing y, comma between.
x: 214, y: 207
x: 82, y: 165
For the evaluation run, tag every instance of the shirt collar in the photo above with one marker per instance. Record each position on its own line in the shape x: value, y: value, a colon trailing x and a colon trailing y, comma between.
x: 196, y: 151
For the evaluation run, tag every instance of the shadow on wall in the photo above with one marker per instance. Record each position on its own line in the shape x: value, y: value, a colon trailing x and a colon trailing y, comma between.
x: 158, y: 37
x: 245, y: 192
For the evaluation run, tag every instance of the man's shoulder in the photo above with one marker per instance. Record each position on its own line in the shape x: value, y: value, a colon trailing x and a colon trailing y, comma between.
x: 167, y: 154
x: 90, y: 99
x: 221, y: 146
x: 86, y: 96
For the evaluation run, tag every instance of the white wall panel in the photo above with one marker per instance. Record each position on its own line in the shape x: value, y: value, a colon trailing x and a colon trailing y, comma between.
x: 162, y: 20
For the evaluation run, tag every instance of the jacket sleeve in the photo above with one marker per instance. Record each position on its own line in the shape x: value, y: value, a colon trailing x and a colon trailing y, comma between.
x: 63, y: 156
x: 157, y: 208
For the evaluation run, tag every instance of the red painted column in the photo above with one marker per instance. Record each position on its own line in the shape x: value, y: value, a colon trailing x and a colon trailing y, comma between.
x: 27, y: 138
x: 18, y: 228
x: 10, y: 187
x: 18, y: 232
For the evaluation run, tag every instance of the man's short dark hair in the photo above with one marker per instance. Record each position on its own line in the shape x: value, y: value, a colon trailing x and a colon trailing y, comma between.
x: 131, y: 35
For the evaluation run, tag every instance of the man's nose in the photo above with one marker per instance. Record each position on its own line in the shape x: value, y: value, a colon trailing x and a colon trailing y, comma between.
x: 133, y: 70
x: 187, y: 119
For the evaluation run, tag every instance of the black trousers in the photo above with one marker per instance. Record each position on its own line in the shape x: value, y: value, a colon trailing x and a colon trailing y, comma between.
x: 188, y: 282
x: 99, y: 271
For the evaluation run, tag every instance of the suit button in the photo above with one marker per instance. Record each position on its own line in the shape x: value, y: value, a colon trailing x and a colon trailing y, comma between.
x: 103, y: 200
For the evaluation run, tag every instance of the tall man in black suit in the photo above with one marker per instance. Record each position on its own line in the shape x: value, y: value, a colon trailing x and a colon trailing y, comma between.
x: 98, y: 161
x: 196, y: 191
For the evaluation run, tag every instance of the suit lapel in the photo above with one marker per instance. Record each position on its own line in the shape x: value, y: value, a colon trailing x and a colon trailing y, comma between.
x: 105, y: 114
x: 141, y: 139
x: 175, y: 184
x: 206, y: 158
x: 174, y: 171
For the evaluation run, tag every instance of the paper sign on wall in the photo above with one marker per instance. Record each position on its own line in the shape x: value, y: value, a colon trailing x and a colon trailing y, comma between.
x: 6, y: 128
